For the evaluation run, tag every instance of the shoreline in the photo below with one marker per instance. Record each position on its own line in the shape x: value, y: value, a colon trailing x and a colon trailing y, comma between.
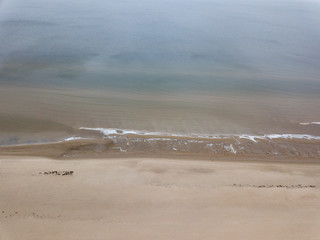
x: 128, y: 146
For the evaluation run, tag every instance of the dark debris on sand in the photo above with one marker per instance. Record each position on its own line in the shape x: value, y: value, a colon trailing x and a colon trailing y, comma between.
x: 274, y: 186
x: 58, y: 173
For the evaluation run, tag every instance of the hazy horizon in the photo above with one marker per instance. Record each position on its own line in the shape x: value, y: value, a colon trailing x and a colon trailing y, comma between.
x: 161, y: 45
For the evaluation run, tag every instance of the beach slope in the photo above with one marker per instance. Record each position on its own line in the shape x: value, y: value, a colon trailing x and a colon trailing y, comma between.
x: 152, y: 198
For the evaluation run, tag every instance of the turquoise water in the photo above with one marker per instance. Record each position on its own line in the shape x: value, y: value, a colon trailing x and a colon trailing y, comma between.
x: 173, y: 66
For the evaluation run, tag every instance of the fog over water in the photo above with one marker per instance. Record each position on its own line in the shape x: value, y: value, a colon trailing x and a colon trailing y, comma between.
x: 230, y: 51
x: 161, y: 44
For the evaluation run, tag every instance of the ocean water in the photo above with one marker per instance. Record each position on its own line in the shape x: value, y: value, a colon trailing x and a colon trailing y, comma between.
x: 175, y: 68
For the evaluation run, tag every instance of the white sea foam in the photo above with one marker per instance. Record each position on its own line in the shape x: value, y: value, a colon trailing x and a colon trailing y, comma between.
x: 275, y: 136
x: 159, y: 139
x: 120, y: 149
x: 161, y: 135
x: 74, y: 138
x: 117, y: 131
x: 309, y: 123
x: 252, y: 138
x: 292, y: 136
x: 230, y: 149
x: 113, y: 131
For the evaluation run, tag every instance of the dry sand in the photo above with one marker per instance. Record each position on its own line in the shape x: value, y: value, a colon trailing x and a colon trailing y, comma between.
x: 149, y: 198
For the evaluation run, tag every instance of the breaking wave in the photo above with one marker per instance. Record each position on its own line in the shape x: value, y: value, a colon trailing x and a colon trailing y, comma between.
x: 122, y: 132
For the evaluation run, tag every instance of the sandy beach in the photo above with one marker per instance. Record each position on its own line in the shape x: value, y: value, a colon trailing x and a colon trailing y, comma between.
x: 159, y: 120
x: 154, y: 198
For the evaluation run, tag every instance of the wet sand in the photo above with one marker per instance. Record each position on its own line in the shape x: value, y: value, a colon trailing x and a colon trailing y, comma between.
x: 148, y: 198
x: 228, y: 149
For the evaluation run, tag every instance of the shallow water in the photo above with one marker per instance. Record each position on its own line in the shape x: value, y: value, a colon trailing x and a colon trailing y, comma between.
x: 36, y: 115
x: 179, y: 67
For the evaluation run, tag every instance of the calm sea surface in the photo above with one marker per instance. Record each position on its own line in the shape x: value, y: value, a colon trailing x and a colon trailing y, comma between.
x: 178, y: 66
